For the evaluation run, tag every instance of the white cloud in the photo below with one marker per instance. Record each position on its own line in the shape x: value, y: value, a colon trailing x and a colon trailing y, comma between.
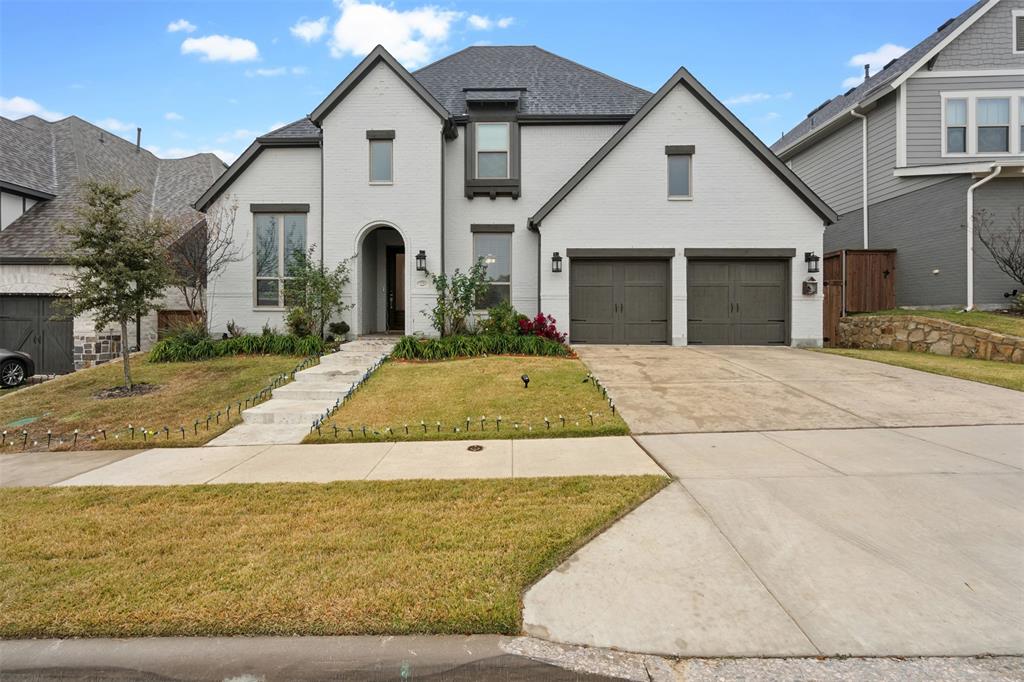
x: 218, y: 48
x: 877, y: 59
x: 173, y: 116
x: 297, y: 70
x: 755, y: 97
x: 19, y: 107
x: 116, y: 125
x: 412, y: 36
x: 181, y: 152
x: 482, y: 23
x: 276, y: 71
x: 248, y: 135
x: 181, y: 25
x: 771, y: 116
x: 310, y: 31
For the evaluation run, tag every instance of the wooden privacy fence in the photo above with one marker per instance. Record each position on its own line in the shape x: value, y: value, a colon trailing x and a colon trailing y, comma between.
x: 856, y: 281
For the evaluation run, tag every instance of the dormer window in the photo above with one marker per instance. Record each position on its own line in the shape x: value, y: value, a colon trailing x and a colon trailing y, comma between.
x: 492, y: 150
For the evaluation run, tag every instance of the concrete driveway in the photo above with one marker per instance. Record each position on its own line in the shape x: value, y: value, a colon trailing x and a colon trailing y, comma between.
x: 662, y: 389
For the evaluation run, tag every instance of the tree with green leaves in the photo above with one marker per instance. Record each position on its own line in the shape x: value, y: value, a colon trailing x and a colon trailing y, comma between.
x: 458, y: 295
x: 314, y: 288
x: 120, y: 269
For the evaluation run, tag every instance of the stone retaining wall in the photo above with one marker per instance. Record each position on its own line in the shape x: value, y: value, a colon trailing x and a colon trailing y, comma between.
x: 927, y: 335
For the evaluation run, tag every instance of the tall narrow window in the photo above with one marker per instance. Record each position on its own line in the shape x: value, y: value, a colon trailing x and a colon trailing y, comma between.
x: 278, y: 241
x: 381, y: 161
x: 1020, y: 120
x: 993, y: 117
x: 956, y: 126
x: 492, y: 150
x: 496, y: 251
x: 680, y: 167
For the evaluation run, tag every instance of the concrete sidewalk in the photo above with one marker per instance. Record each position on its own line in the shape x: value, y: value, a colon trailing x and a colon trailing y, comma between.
x: 526, y: 458
x: 862, y: 542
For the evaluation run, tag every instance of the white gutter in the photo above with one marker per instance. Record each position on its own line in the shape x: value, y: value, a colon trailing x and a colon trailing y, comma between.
x: 864, y: 171
x: 996, y: 170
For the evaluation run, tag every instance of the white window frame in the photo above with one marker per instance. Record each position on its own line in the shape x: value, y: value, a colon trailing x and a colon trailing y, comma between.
x: 508, y: 235
x: 280, y: 277
x: 507, y: 150
x: 369, y: 157
x: 668, y: 178
x: 972, y: 97
x: 1013, y: 28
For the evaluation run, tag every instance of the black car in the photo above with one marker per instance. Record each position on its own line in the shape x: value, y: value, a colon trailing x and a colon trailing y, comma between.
x: 15, y: 367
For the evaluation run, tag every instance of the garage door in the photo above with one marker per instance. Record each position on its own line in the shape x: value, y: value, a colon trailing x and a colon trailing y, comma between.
x: 34, y: 325
x: 619, y: 301
x: 737, y: 302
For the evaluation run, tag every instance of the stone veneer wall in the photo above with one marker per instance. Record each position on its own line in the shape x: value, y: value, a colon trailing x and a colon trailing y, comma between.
x: 95, y: 349
x: 927, y: 335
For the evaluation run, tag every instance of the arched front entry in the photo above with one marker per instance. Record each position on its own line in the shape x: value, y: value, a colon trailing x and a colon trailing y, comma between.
x: 383, y: 282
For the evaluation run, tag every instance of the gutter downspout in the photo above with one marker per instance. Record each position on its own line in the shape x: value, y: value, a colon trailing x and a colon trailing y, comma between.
x: 864, y: 172
x: 996, y: 170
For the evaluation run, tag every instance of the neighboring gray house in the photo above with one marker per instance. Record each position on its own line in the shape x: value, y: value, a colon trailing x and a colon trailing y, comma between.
x: 630, y: 217
x: 903, y: 156
x: 42, y: 165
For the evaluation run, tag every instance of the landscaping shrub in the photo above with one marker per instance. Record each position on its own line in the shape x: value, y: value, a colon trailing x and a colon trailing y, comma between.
x: 184, y: 348
x: 299, y: 322
x: 463, y: 346
x: 542, y: 326
x: 501, y: 319
x: 339, y: 328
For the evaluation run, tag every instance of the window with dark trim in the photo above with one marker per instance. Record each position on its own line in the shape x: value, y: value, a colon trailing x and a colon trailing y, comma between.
x: 496, y: 250
x: 381, y: 162
x: 492, y: 152
x: 278, y: 240
x: 680, y: 171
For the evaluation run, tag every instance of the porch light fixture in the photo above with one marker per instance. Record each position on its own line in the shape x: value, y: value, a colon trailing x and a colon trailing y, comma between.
x: 556, y: 262
x: 812, y: 261
x: 421, y: 261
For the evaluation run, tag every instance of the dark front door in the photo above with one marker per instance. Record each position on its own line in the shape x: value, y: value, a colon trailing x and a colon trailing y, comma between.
x: 737, y: 302
x: 34, y: 325
x: 619, y: 301
x: 396, y: 288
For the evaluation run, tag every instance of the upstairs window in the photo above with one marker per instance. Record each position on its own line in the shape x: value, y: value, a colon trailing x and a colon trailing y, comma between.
x: 382, y: 147
x: 993, y: 117
x: 956, y: 126
x: 1018, y: 31
x: 680, y: 170
x: 492, y: 150
x: 278, y: 240
x: 1020, y: 120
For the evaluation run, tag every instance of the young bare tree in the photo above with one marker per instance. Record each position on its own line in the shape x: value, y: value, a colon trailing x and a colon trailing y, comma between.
x: 1006, y: 245
x: 120, y: 268
x: 202, y: 252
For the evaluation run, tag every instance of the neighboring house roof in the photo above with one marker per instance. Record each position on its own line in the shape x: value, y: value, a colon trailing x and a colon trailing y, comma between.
x: 546, y: 85
x: 56, y: 158
x: 885, y: 80
x: 551, y: 85
x: 720, y: 111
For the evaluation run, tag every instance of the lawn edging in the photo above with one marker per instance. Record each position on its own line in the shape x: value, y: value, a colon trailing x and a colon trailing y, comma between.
x: 921, y: 334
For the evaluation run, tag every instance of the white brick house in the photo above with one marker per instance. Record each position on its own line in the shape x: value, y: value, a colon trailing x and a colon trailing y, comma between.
x: 672, y: 223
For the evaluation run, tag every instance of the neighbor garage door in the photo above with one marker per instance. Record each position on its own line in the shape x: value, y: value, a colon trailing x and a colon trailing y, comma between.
x: 737, y: 301
x: 619, y: 301
x: 34, y: 325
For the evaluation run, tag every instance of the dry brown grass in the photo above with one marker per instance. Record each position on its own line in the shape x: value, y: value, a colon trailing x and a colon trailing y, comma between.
x: 344, y: 558
x: 1003, y: 374
x: 188, y: 391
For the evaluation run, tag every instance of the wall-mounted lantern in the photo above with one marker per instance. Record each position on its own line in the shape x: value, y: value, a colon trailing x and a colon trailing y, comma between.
x: 421, y: 261
x: 812, y: 261
x: 556, y: 262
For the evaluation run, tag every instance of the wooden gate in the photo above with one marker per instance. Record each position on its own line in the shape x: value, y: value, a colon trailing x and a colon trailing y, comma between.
x: 856, y: 281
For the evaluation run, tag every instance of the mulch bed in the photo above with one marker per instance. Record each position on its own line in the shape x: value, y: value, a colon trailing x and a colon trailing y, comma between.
x: 123, y: 392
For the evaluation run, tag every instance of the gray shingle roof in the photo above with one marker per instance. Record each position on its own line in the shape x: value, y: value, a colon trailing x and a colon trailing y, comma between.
x: 76, y: 151
x: 553, y: 85
x: 870, y: 86
x: 303, y: 128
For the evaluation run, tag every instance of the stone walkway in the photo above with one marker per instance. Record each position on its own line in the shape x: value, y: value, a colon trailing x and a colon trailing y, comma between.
x: 287, y: 416
x: 527, y: 458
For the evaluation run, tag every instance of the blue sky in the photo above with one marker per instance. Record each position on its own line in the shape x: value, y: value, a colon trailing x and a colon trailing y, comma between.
x: 211, y: 76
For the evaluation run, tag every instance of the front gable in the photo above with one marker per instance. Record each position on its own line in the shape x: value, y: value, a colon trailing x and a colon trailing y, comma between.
x: 988, y: 43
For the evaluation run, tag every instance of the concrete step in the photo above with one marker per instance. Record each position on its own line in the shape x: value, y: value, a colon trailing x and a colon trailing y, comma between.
x: 323, y: 373
x: 312, y: 391
x: 284, y: 411
x: 261, y: 434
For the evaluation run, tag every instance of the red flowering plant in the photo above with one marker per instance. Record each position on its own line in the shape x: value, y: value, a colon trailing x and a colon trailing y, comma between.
x: 542, y: 325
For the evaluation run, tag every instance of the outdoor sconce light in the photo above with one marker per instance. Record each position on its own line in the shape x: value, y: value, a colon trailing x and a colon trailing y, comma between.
x: 812, y: 261
x: 556, y: 262
x: 421, y: 261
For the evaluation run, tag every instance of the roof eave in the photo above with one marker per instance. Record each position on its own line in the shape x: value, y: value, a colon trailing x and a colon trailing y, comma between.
x: 14, y: 188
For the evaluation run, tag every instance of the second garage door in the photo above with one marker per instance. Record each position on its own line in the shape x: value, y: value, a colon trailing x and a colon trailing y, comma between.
x: 35, y: 325
x: 737, y: 301
x: 619, y: 301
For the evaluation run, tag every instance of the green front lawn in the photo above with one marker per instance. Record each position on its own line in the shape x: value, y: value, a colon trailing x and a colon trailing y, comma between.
x: 421, y: 394
x: 188, y: 391
x: 996, y: 322
x: 1003, y: 374
x: 292, y: 559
